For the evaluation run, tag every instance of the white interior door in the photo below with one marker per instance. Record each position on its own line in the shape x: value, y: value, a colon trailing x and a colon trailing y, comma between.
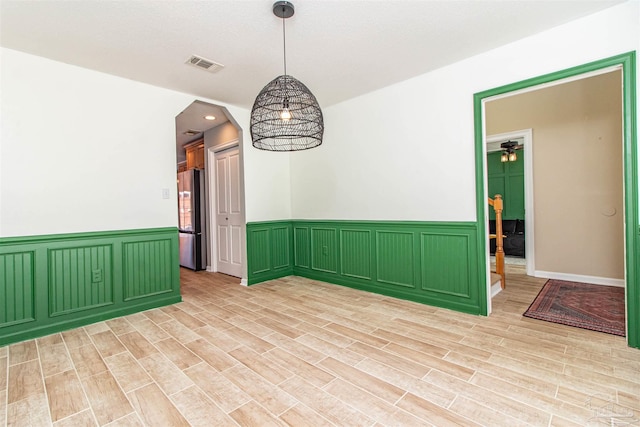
x: 229, y: 215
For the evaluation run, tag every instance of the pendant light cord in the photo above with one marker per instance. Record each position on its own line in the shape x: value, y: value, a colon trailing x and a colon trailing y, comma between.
x: 284, y: 41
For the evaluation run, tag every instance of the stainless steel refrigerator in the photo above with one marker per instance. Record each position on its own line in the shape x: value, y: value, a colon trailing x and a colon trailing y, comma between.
x: 191, y: 219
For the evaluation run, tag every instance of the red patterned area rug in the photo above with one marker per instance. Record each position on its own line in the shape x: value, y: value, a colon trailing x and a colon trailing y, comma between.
x: 583, y: 305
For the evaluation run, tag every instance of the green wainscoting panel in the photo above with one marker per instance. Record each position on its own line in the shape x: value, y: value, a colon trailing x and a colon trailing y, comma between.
x: 302, y: 247
x: 433, y: 263
x: 147, y: 268
x: 260, y: 254
x: 80, y: 278
x: 324, y: 249
x: 452, y: 250
x: 56, y: 282
x: 281, y: 240
x: 395, y: 258
x: 16, y: 288
x: 269, y: 250
x: 356, y: 253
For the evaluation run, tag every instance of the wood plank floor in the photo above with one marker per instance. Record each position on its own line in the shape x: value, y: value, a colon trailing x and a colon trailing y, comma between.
x: 304, y: 353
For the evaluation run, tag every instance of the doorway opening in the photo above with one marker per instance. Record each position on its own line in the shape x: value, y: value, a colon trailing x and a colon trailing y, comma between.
x: 212, y: 128
x: 524, y: 139
x: 626, y: 64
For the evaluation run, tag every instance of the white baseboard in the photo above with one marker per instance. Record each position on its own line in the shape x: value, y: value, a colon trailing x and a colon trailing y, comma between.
x: 243, y: 282
x: 495, y: 289
x: 596, y: 280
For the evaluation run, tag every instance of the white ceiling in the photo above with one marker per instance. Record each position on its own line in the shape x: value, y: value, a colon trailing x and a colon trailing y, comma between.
x: 339, y: 49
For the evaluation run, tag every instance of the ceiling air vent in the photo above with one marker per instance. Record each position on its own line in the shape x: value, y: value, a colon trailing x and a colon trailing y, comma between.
x: 204, y: 64
x: 192, y: 132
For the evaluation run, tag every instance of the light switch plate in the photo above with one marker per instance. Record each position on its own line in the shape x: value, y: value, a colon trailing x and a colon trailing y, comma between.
x: 165, y: 193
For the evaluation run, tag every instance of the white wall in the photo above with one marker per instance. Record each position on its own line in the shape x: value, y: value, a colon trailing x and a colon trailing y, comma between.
x: 266, y: 174
x: 267, y: 181
x: 406, y: 152
x: 86, y: 151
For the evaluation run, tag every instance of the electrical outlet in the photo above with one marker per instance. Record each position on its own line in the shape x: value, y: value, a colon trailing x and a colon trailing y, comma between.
x: 165, y: 193
x: 96, y: 276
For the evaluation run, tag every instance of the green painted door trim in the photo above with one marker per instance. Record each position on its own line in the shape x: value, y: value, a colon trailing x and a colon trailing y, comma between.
x: 52, y: 283
x: 627, y: 62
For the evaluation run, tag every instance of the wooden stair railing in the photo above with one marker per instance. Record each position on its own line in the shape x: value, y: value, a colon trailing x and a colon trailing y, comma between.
x: 497, y: 204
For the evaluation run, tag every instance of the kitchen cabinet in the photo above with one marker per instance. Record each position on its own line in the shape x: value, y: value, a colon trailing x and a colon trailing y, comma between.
x: 195, y: 154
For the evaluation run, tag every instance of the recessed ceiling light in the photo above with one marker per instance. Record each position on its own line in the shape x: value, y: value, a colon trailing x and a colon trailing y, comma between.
x: 210, y: 117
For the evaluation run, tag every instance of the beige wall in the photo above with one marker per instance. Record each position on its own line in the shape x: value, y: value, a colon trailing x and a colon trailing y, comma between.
x: 577, y: 169
x: 220, y: 135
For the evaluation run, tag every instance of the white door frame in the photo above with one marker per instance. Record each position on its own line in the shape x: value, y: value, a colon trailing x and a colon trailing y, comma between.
x: 527, y: 138
x: 213, y: 235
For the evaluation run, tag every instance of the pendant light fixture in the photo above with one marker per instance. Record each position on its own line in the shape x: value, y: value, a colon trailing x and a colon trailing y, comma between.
x: 509, y: 151
x: 286, y: 116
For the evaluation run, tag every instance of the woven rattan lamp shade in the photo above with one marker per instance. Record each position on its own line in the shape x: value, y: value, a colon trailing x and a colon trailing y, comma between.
x: 286, y: 116
x: 302, y: 131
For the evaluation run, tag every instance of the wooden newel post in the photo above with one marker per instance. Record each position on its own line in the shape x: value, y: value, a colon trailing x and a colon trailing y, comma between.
x: 497, y: 206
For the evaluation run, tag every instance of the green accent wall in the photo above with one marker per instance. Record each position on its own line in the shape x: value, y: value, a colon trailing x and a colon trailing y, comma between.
x: 507, y: 179
x: 56, y: 282
x: 434, y: 263
x: 626, y: 62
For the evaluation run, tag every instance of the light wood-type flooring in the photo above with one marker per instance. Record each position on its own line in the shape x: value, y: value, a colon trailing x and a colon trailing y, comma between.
x: 299, y: 352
